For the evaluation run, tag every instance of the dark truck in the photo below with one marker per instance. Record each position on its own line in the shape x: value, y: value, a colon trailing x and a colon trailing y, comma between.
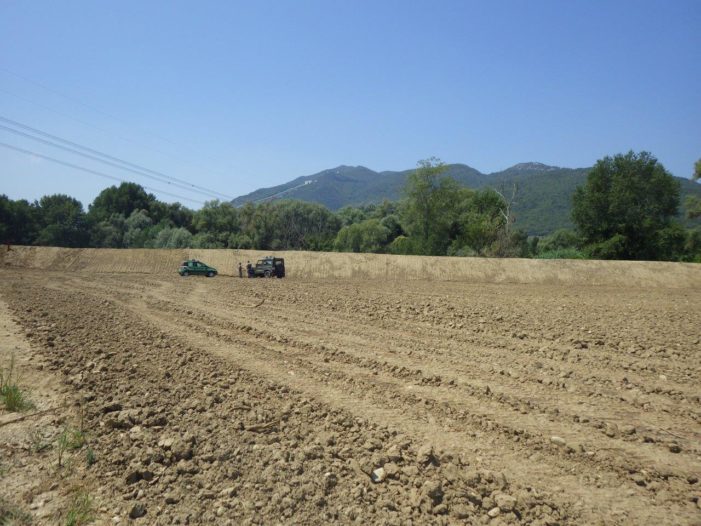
x: 269, y: 267
x: 194, y: 267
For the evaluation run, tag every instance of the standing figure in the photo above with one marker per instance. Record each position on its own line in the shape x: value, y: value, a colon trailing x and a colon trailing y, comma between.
x: 240, y: 270
x: 249, y: 269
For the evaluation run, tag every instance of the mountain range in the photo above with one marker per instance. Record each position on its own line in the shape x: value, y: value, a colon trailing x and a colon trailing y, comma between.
x: 542, y: 203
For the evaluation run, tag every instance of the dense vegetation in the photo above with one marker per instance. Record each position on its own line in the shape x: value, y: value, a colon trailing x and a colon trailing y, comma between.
x: 625, y: 210
x: 543, y: 203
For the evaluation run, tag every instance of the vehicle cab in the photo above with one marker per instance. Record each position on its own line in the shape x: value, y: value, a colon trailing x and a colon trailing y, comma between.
x: 269, y: 267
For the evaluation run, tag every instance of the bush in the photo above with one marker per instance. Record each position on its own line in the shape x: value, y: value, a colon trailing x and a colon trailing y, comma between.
x: 173, y: 238
x: 562, y: 238
x: 401, y: 245
x: 562, y: 253
x: 81, y: 510
x: 12, y: 396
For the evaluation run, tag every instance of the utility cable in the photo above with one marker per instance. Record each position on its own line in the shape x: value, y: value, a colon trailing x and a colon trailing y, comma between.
x: 94, y: 158
x: 97, y: 110
x: 131, y: 166
x: 94, y: 172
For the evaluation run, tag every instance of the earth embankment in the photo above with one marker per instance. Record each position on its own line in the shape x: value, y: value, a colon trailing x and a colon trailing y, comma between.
x: 326, y: 265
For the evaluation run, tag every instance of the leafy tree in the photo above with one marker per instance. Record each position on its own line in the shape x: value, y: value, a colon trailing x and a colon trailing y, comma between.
x: 19, y: 221
x: 479, y: 222
x: 401, y: 245
x: 692, y: 246
x: 560, y: 239
x: 171, y: 214
x: 63, y: 222
x: 123, y: 199
x: 369, y: 236
x: 206, y: 240
x: 350, y: 215
x: 109, y: 233
x: 393, y: 225
x: 217, y: 219
x: 624, y: 205
x: 693, y: 204
x: 173, y: 238
x: 430, y: 202
x: 138, y: 229
x: 289, y: 224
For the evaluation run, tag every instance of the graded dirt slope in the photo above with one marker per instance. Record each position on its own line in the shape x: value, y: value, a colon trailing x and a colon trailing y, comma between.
x: 327, y: 265
x: 500, y: 403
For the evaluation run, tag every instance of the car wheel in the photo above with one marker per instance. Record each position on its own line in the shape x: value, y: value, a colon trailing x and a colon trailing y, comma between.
x: 184, y: 273
x: 210, y: 274
x: 267, y: 274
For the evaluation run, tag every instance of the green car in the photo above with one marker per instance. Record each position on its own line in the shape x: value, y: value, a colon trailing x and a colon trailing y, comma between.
x: 194, y: 267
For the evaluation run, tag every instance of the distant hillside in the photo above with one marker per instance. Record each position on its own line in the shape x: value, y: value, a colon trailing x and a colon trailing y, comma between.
x: 543, y: 201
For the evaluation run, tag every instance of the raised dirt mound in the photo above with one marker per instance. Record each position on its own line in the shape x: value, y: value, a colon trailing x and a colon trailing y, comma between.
x: 323, y: 265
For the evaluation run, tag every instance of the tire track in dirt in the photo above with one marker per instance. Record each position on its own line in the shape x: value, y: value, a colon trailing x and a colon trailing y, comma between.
x: 166, y: 447
x: 278, y: 374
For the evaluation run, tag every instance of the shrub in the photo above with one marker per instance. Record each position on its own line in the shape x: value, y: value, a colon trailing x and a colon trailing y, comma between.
x: 81, y: 510
x: 12, y: 396
x: 562, y: 253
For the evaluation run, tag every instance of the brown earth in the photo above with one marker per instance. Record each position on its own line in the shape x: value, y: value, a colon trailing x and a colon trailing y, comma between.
x: 483, y: 403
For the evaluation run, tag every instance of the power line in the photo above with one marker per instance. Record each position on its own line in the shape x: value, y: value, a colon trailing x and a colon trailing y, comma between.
x: 94, y: 109
x: 94, y: 172
x: 94, y: 158
x: 76, y: 101
x: 127, y: 165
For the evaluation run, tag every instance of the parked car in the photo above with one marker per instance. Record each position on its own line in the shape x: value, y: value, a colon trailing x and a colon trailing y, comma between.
x: 195, y: 267
x: 269, y: 267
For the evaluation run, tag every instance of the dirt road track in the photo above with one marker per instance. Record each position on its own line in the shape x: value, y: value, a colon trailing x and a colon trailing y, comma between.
x: 532, y: 404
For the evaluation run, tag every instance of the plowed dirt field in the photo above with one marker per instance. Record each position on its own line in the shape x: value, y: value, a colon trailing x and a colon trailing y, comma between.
x: 306, y: 401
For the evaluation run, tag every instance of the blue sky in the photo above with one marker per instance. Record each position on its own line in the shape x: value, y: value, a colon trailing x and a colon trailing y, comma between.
x: 235, y: 96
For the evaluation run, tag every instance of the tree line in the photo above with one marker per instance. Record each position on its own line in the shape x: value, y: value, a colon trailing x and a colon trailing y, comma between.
x: 626, y: 209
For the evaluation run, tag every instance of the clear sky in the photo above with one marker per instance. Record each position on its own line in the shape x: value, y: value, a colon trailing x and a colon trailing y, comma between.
x: 235, y: 96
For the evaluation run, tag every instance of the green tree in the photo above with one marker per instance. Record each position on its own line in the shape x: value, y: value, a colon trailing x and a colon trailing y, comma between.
x: 123, y: 199
x: 138, y: 229
x: 109, y: 233
x: 218, y: 220
x: 63, y: 222
x: 693, y: 204
x: 430, y: 206
x: 19, y: 221
x: 479, y: 222
x: 369, y: 236
x: 173, y: 238
x: 350, y: 215
x: 561, y: 239
x: 625, y: 204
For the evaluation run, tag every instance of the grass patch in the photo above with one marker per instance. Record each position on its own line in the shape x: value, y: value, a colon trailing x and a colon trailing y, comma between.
x: 11, y: 515
x: 12, y: 396
x: 81, y: 511
x: 38, y: 442
x: 562, y: 253
x: 70, y: 439
x: 90, y: 457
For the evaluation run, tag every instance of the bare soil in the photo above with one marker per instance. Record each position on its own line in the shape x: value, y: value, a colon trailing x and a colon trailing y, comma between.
x: 360, y: 401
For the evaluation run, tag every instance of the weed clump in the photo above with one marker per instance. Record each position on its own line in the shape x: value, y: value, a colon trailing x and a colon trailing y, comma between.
x: 81, y: 511
x: 12, y: 396
x: 12, y: 515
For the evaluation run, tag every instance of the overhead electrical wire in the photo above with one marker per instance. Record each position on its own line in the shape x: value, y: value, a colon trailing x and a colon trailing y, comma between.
x: 80, y: 102
x: 96, y: 110
x: 94, y: 158
x: 90, y: 171
x: 132, y: 167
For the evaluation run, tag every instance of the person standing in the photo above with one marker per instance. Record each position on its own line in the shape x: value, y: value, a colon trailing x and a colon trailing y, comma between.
x: 249, y: 269
x: 240, y: 270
